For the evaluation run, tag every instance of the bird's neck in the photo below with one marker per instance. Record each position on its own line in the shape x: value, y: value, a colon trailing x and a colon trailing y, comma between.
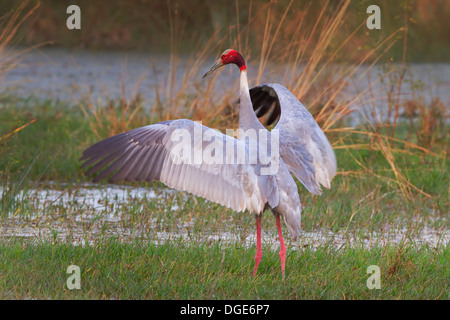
x: 247, y: 117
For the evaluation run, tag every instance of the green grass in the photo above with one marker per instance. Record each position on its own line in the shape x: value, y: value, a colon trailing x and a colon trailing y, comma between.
x: 44, y: 156
x: 142, y: 270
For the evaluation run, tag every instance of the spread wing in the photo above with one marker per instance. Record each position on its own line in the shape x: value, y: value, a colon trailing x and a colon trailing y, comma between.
x: 186, y: 156
x: 303, y: 146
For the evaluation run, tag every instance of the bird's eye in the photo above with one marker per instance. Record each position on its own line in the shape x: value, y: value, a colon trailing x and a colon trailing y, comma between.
x: 222, y: 57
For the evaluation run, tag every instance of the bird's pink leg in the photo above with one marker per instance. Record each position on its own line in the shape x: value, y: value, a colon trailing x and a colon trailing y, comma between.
x: 258, y: 255
x: 282, y: 247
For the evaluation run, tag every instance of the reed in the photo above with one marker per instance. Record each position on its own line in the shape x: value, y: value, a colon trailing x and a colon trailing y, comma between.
x: 10, y: 24
x: 309, y: 66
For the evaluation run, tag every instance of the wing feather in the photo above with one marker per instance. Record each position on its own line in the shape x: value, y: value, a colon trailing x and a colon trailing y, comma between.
x: 304, y: 147
x: 147, y: 154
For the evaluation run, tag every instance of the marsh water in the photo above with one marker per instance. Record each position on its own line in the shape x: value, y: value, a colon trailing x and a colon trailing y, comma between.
x: 60, y: 74
x: 88, y: 212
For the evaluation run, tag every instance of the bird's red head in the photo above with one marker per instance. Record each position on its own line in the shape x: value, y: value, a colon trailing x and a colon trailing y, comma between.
x: 233, y: 56
x: 227, y: 57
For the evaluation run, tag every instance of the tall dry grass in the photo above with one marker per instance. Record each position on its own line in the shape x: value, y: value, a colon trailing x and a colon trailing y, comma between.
x: 10, y: 24
x: 145, y: 24
x: 309, y: 68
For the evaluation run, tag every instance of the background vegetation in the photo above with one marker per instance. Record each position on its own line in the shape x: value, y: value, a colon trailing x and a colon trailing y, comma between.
x: 159, y: 25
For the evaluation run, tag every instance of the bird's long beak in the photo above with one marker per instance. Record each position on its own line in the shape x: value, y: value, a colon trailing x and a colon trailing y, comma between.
x: 214, y: 67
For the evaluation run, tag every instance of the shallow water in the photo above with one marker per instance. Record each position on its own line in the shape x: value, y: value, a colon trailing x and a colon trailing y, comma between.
x: 90, y: 209
x: 61, y: 74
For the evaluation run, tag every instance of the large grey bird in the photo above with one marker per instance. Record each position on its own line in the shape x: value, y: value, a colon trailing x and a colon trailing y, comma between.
x: 188, y: 156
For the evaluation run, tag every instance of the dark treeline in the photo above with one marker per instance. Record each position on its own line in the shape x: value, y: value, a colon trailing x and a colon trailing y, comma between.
x: 184, y: 25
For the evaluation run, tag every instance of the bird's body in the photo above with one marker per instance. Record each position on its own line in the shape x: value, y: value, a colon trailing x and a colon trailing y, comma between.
x: 188, y: 156
x: 287, y: 207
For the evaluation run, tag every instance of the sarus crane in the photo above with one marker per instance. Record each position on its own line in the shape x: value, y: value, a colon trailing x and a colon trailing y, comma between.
x: 153, y: 153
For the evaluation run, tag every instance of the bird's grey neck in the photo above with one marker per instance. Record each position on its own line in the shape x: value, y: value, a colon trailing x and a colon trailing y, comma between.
x: 247, y: 117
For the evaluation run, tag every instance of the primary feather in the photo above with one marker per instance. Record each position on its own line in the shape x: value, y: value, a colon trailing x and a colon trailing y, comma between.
x: 150, y: 153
